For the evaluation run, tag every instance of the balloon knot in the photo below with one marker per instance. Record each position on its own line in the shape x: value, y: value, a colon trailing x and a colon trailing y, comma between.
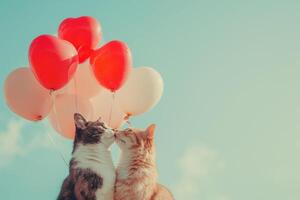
x: 51, y: 91
x: 127, y: 116
x: 38, y: 118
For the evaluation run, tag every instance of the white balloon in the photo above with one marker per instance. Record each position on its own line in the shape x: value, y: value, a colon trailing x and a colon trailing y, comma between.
x: 102, y: 105
x: 61, y: 116
x: 83, y: 84
x: 142, y: 91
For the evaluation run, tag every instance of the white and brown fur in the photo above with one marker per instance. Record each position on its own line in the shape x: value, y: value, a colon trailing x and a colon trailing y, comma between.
x: 92, y: 173
x: 136, y: 172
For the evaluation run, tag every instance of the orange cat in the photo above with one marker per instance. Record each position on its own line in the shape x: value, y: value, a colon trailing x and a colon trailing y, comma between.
x: 136, y: 172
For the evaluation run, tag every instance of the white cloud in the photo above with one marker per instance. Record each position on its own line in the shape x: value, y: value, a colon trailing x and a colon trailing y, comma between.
x: 197, y: 163
x: 9, y: 140
x: 11, y: 144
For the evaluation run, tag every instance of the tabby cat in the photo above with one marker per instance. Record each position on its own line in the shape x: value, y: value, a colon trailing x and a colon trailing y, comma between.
x: 92, y: 173
x: 136, y: 172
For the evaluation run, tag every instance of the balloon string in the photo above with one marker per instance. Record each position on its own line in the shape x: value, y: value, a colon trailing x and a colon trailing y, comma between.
x: 75, y: 91
x: 126, y: 118
x: 55, y: 111
x: 55, y: 145
x: 111, y: 108
x: 58, y: 127
x: 129, y: 123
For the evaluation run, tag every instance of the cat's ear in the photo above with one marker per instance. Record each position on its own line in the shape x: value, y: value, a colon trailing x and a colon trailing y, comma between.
x: 99, y: 119
x: 150, y: 131
x: 79, y: 121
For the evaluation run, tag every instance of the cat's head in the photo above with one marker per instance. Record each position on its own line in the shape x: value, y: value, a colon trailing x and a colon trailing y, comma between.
x: 88, y: 132
x: 130, y: 138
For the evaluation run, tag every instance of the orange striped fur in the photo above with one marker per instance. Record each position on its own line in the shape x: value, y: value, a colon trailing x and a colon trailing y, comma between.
x: 136, y: 171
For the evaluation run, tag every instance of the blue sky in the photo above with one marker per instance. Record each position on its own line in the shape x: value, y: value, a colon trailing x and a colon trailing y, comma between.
x: 228, y: 122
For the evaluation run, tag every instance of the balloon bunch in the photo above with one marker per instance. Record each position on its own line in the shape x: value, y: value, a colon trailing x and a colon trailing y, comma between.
x: 68, y: 73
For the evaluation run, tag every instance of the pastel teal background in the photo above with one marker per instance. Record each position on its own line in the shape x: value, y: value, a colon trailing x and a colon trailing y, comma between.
x: 228, y: 122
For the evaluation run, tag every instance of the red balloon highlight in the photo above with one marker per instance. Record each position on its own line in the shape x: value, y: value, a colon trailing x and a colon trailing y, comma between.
x: 111, y: 64
x: 53, y: 61
x: 83, y: 32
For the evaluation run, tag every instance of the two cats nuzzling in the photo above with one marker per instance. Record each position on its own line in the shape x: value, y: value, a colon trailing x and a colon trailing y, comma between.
x: 92, y: 175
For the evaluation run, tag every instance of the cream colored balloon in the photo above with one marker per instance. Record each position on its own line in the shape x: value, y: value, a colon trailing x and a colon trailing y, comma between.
x: 61, y: 116
x: 25, y: 96
x: 85, y: 82
x: 102, y: 105
x: 142, y: 90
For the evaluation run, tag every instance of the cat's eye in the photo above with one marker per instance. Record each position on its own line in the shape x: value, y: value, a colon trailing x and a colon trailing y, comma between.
x: 94, y: 130
x: 123, y: 141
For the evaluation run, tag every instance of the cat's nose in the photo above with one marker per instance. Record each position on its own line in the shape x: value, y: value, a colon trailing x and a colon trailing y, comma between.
x: 110, y: 131
x: 117, y: 132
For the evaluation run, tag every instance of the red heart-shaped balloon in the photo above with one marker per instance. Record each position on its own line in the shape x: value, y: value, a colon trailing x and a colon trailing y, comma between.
x: 111, y: 64
x: 53, y: 61
x: 83, y: 32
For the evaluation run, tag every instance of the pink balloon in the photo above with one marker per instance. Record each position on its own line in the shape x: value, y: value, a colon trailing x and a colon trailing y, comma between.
x: 86, y: 84
x: 25, y: 96
x: 102, y: 106
x: 61, y: 116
